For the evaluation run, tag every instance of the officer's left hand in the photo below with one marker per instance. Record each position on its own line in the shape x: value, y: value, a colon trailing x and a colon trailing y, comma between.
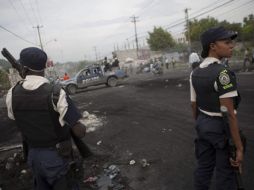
x: 238, y: 161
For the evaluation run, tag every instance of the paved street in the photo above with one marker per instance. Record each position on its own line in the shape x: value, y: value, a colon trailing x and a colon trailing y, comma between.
x: 149, y: 118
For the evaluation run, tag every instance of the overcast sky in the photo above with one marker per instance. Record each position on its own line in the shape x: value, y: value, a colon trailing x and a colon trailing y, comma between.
x: 71, y: 30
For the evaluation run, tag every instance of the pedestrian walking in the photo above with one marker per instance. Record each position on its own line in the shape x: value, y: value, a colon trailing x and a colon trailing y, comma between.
x: 173, y: 62
x: 167, y: 63
x: 246, y: 60
x: 194, y: 60
x: 252, y: 59
x: 46, y: 117
x: 212, y: 85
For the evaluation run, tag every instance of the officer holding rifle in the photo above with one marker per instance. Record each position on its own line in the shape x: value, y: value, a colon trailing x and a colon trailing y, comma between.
x: 212, y: 85
x: 46, y: 117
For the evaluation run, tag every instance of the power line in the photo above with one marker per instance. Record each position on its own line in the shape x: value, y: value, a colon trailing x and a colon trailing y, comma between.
x: 17, y: 35
x: 19, y: 15
x: 38, y: 11
x: 236, y: 8
x: 200, y: 14
x: 27, y: 16
x: 33, y: 11
x: 206, y: 7
x: 230, y: 1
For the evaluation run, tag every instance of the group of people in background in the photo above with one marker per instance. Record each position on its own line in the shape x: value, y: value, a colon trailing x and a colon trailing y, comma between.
x: 248, y: 60
x: 111, y: 66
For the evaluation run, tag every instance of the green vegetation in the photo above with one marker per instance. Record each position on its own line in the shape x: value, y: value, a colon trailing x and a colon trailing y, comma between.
x: 4, y: 80
x: 160, y: 40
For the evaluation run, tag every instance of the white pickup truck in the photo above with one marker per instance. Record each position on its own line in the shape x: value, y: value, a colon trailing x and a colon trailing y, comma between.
x: 92, y: 76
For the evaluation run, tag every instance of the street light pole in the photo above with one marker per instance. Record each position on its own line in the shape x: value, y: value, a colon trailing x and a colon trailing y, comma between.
x: 188, y: 29
x: 38, y: 29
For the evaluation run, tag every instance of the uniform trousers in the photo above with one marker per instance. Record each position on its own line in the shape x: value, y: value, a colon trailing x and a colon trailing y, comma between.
x: 212, y: 154
x: 49, y: 169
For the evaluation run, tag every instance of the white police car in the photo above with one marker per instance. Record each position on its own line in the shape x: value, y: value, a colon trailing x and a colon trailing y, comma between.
x: 92, y: 76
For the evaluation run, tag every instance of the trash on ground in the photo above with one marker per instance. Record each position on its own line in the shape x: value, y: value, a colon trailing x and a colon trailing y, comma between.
x: 90, y: 179
x: 132, y: 162
x: 91, y: 121
x: 144, y: 163
x: 179, y: 85
x: 112, y: 171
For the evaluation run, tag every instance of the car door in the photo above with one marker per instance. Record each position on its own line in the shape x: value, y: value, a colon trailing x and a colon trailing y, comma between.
x: 85, y: 78
x: 97, y: 75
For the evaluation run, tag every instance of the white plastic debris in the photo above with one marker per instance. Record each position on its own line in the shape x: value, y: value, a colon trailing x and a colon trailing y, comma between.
x: 90, y: 179
x: 23, y: 172
x: 144, y: 163
x: 10, y: 163
x: 132, y: 162
x: 91, y: 121
x: 179, y: 85
x: 85, y: 114
x: 99, y: 142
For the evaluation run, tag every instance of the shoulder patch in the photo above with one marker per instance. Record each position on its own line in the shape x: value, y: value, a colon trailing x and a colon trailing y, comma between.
x: 224, y: 78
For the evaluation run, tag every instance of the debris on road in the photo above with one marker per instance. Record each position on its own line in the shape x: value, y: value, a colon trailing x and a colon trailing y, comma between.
x: 91, y: 179
x: 144, y: 163
x: 179, y: 85
x: 99, y: 143
x: 132, y: 162
x: 91, y: 121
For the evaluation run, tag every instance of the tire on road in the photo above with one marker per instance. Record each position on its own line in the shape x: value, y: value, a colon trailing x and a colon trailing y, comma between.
x: 71, y: 89
x: 112, y: 81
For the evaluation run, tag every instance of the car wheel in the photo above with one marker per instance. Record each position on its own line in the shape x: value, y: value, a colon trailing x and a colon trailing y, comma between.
x: 71, y: 89
x: 112, y: 81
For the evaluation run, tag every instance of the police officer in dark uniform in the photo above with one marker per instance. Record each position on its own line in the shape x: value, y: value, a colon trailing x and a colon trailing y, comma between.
x: 45, y: 122
x: 213, y: 85
x: 115, y: 62
x: 106, y: 64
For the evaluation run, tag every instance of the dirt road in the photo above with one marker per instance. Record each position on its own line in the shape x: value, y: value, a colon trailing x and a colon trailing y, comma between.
x: 149, y: 119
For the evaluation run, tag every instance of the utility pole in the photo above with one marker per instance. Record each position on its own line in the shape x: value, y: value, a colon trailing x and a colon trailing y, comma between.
x: 134, y: 20
x: 188, y: 29
x: 96, y: 57
x: 128, y: 44
x: 38, y: 29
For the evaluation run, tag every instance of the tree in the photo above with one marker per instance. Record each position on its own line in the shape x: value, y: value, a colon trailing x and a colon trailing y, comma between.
x: 4, y: 80
x: 160, y: 39
x: 197, y: 27
x: 5, y: 64
x: 248, y: 29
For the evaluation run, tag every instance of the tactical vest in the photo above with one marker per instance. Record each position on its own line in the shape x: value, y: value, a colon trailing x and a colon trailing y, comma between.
x: 35, y: 116
x: 203, y: 80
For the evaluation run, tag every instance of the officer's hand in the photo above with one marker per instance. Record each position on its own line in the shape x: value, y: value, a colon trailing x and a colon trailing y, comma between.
x: 238, y: 161
x: 79, y: 130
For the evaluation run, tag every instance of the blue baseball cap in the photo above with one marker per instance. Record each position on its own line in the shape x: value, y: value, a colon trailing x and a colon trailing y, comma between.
x: 214, y: 34
x: 33, y: 58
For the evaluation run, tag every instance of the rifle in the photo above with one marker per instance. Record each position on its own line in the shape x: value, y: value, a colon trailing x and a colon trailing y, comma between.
x: 83, y: 149
x: 81, y: 146
x: 232, y: 147
x: 14, y: 63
